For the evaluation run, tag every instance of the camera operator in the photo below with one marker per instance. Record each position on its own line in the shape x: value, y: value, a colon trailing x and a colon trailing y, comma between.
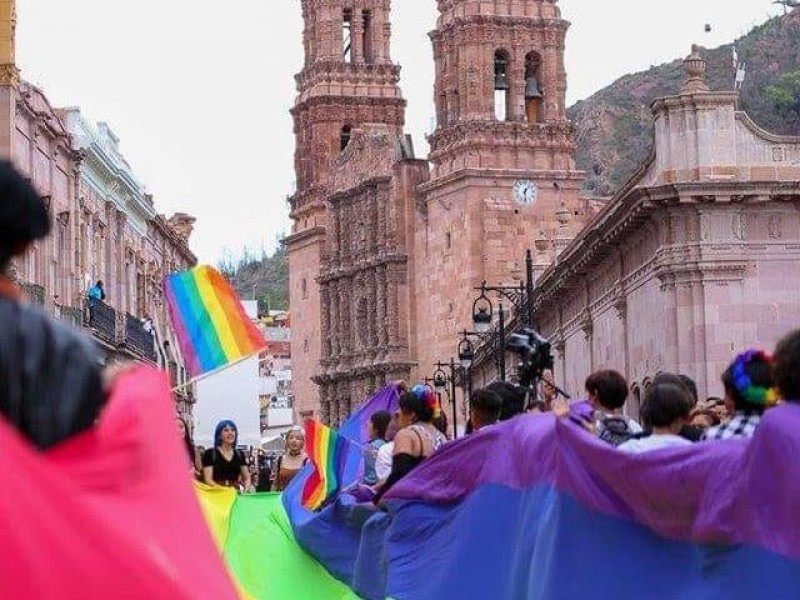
x: 546, y: 395
x: 535, y: 370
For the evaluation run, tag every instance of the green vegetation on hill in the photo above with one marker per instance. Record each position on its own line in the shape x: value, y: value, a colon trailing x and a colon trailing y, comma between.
x: 614, y: 126
x: 260, y: 275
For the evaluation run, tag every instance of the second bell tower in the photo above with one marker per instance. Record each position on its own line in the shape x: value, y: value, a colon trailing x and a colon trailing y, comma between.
x: 503, y: 177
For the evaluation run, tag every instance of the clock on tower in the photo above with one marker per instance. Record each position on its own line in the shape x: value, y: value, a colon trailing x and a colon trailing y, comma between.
x: 525, y: 192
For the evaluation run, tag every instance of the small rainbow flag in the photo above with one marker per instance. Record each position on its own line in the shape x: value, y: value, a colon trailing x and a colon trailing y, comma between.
x: 211, y: 325
x: 328, y: 453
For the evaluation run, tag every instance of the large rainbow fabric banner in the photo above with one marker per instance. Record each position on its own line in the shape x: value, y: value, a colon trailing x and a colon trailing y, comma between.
x: 110, y: 513
x: 327, y: 451
x: 255, y: 537
x: 211, y: 325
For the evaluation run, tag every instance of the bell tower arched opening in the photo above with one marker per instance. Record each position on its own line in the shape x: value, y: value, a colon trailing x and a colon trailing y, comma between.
x: 502, y: 87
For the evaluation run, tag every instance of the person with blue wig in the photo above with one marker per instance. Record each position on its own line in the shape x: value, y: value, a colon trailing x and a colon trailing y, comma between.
x: 223, y: 464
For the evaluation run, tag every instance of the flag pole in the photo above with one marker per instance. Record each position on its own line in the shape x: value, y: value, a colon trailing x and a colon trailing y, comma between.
x: 202, y: 376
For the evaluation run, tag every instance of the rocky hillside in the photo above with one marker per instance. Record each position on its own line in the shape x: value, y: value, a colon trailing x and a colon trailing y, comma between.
x: 614, y: 126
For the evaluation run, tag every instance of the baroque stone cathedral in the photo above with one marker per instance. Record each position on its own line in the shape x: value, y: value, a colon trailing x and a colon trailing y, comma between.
x: 386, y: 248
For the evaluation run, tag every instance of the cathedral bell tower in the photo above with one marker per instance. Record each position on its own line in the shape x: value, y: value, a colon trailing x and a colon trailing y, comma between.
x: 503, y: 170
x: 348, y: 81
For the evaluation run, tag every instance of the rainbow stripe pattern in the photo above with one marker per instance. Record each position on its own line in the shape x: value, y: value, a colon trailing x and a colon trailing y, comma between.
x: 327, y: 451
x: 212, y: 327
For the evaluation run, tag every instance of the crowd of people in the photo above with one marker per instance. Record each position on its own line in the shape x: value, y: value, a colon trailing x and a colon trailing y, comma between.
x: 671, y: 414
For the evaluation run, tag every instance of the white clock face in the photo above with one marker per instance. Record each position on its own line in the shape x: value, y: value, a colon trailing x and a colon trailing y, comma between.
x: 525, y: 192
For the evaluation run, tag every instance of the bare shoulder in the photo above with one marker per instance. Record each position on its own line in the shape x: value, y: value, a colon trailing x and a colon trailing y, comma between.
x: 406, y: 441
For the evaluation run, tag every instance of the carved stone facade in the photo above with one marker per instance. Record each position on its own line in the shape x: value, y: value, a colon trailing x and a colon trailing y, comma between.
x: 692, y: 261
x: 364, y: 280
x: 348, y: 81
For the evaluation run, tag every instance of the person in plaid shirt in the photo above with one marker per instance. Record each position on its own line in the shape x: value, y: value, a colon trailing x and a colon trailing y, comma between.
x: 749, y: 391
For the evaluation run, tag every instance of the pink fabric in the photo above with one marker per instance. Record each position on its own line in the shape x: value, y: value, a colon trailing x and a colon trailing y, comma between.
x: 109, y: 514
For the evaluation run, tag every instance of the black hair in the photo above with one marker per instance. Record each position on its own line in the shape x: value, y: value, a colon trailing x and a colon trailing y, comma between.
x: 380, y: 423
x: 512, y: 398
x: 691, y: 386
x: 610, y: 387
x: 23, y: 214
x: 487, y: 404
x: 760, y: 373
x: 682, y: 381
x: 787, y: 366
x: 665, y: 403
x: 417, y: 406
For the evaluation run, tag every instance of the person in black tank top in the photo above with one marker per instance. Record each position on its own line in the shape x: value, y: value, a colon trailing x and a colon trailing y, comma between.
x: 223, y: 464
x: 417, y: 439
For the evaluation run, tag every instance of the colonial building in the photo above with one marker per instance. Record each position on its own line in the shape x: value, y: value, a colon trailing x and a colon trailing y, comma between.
x: 694, y: 260
x: 105, y: 225
x: 385, y: 250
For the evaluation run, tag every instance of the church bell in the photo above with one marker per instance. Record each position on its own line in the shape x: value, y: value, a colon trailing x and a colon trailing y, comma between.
x: 501, y: 82
x: 532, y: 91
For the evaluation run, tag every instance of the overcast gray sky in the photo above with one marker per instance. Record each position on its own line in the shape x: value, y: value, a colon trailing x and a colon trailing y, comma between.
x: 199, y: 91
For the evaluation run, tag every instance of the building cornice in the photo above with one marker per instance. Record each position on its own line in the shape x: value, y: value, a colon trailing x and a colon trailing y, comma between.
x: 312, y: 234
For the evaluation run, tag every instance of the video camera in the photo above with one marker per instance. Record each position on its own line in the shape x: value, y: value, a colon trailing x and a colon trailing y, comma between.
x: 535, y: 355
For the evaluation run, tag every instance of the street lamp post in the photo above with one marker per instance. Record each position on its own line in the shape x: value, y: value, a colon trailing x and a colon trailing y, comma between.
x: 501, y: 342
x: 466, y: 356
x: 521, y: 296
x: 440, y: 381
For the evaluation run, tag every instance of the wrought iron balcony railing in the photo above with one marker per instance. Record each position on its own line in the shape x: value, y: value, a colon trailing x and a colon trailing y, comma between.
x: 34, y: 293
x: 138, y: 338
x: 103, y: 320
x: 70, y: 314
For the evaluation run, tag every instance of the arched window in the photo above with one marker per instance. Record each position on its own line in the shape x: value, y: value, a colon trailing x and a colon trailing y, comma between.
x: 344, y: 137
x: 366, y: 36
x: 502, y: 87
x: 533, y: 89
x: 442, y: 110
x: 347, y: 35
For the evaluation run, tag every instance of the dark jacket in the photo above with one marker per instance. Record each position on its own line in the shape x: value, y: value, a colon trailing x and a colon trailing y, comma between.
x: 50, y: 375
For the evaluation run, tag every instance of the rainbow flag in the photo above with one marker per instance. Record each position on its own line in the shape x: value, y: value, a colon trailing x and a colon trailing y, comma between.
x: 328, y: 453
x: 209, y: 320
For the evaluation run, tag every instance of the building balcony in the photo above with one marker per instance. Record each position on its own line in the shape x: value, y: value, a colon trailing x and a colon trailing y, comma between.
x: 103, y: 321
x: 69, y: 314
x: 33, y: 292
x: 139, y: 339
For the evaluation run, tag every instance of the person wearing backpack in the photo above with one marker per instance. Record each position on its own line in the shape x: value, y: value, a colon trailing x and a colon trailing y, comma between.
x: 607, y: 392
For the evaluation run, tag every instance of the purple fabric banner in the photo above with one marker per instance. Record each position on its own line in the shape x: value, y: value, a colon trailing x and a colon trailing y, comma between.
x: 728, y: 492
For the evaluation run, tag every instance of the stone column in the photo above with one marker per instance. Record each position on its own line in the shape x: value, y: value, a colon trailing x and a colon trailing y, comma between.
x: 9, y: 75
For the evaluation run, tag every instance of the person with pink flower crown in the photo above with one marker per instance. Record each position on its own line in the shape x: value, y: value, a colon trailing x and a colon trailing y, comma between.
x: 749, y: 390
x: 417, y: 437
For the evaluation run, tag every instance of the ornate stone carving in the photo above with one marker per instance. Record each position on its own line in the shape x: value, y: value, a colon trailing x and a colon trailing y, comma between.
x: 739, y: 226
x: 9, y: 75
x: 183, y: 225
x: 774, y: 227
x: 695, y: 66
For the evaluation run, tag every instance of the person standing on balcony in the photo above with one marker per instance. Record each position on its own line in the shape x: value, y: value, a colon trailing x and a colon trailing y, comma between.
x: 50, y: 379
x: 95, y: 294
